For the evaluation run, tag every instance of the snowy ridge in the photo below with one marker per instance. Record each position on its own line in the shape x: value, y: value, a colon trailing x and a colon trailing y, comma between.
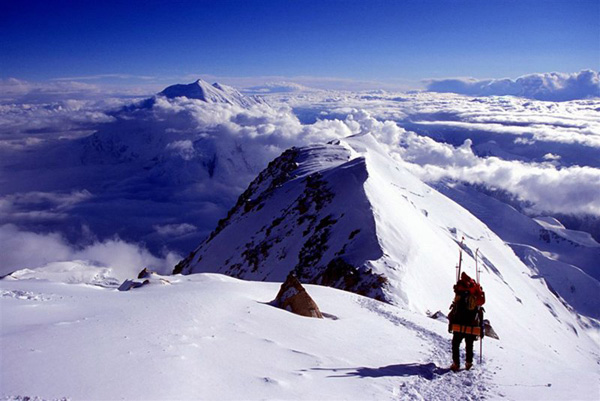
x: 408, y: 235
x: 322, y: 241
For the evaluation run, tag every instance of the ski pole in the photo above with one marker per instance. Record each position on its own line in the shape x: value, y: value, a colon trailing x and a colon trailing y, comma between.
x: 480, y: 349
x: 482, y: 334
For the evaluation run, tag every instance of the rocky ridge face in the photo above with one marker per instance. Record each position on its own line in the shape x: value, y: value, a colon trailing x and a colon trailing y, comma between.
x: 294, y: 217
x: 349, y: 216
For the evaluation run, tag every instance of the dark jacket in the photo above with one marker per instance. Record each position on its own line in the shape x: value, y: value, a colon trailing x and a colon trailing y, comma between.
x: 460, y: 312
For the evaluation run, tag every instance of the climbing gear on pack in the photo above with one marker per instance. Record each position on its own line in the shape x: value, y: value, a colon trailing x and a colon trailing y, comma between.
x: 459, y: 265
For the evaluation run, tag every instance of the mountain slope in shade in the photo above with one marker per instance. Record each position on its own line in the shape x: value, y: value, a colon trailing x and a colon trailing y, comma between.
x: 347, y: 215
x: 293, y: 223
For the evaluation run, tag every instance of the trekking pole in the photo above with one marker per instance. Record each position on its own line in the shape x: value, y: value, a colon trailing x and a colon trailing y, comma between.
x: 481, y: 346
x: 480, y: 349
x: 482, y: 334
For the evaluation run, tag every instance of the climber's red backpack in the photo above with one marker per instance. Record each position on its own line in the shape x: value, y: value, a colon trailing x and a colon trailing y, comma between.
x: 476, y: 293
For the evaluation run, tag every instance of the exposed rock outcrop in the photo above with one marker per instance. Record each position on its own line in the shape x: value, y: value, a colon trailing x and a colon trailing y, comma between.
x: 144, y: 277
x: 293, y: 297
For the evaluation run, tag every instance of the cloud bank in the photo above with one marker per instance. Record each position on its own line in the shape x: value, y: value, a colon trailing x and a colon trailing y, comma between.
x: 551, y: 86
x: 162, y: 173
x: 24, y: 249
x: 543, y: 186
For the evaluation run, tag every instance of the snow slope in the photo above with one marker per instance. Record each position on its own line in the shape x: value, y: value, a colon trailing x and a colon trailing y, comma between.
x: 566, y: 259
x: 213, y: 337
x: 344, y: 214
x: 349, y: 216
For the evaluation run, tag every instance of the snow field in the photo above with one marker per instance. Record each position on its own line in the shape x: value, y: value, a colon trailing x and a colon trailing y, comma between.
x: 212, y: 337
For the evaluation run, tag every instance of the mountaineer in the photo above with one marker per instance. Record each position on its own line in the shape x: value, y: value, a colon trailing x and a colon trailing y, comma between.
x: 465, y: 318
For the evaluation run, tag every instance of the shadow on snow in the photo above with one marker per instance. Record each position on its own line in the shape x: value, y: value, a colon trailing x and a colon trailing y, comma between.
x: 427, y: 371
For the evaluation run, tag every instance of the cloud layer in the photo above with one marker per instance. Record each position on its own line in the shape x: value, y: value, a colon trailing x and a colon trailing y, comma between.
x: 162, y: 173
x: 24, y: 249
x: 552, y: 86
x: 543, y: 186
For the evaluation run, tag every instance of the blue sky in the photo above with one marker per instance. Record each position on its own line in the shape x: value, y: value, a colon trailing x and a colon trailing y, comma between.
x: 399, y: 42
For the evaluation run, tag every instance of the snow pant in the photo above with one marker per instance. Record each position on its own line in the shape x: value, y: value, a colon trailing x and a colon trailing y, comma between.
x: 456, y: 340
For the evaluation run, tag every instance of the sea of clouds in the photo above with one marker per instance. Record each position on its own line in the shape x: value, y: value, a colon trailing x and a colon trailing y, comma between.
x: 552, y: 86
x: 130, y: 184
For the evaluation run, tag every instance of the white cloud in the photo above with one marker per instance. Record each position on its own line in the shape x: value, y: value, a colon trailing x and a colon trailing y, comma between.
x: 38, y: 206
x: 185, y: 149
x: 550, y: 156
x: 174, y: 229
x: 185, y: 161
x: 552, y: 86
x: 538, y: 132
x: 23, y: 125
x: 277, y: 87
x: 569, y: 190
x: 23, y: 249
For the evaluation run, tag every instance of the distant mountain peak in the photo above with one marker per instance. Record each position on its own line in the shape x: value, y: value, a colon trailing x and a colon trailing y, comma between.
x: 215, y: 93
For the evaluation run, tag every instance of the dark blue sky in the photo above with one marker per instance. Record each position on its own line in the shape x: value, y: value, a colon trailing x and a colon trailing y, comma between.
x: 359, y: 40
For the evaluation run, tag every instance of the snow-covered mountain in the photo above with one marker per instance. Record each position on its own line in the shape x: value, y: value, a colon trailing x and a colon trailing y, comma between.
x: 344, y: 214
x: 347, y: 215
x: 132, y: 140
x: 180, y: 158
x: 215, y: 93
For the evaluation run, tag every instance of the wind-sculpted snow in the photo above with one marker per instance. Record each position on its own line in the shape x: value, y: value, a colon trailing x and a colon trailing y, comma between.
x: 549, y: 86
